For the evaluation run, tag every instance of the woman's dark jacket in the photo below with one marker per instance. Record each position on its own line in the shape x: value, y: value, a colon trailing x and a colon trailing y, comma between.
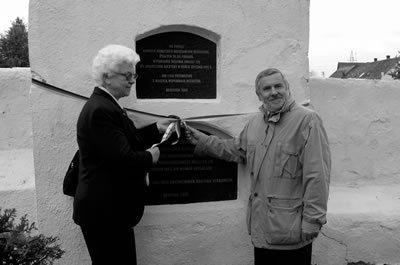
x: 113, y: 164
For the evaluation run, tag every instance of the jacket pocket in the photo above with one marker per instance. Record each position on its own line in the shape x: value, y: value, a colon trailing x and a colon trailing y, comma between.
x: 283, y: 224
x: 286, y: 165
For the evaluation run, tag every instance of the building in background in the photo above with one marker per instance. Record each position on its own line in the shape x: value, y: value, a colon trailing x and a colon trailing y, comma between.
x: 370, y: 70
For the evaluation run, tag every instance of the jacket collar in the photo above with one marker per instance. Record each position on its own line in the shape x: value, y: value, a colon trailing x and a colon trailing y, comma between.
x: 276, y: 116
x: 100, y: 92
x: 110, y: 95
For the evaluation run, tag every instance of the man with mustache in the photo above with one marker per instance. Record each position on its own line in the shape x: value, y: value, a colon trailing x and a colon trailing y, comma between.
x: 285, y: 148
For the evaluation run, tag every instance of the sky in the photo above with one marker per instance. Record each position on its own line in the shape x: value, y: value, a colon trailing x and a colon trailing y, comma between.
x: 369, y: 28
x: 10, y: 10
x: 366, y: 28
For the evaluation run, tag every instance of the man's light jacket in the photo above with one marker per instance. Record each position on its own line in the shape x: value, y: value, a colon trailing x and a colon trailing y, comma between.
x: 289, y: 165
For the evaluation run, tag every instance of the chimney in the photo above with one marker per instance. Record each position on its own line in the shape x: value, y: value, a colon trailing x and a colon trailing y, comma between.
x: 375, y: 59
x: 387, y: 57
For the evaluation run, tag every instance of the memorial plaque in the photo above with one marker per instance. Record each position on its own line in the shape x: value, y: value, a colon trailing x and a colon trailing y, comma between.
x: 181, y: 177
x: 176, y: 64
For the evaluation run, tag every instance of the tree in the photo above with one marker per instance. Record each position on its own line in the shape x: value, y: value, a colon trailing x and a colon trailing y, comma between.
x: 395, y: 72
x: 19, y: 246
x: 14, y: 50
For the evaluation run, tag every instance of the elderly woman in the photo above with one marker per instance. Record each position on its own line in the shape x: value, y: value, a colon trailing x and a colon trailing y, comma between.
x: 114, y: 159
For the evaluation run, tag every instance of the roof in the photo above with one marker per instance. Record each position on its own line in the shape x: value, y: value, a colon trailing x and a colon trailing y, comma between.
x: 371, y: 70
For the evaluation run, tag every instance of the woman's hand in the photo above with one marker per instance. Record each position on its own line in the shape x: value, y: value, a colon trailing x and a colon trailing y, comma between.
x: 155, y: 154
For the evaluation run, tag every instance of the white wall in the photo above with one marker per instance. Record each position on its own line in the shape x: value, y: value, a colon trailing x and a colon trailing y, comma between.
x: 64, y: 36
x: 362, y: 119
x: 17, y: 182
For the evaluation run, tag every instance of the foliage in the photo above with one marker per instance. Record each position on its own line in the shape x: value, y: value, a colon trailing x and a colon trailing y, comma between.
x: 395, y: 73
x: 18, y: 246
x: 14, y: 50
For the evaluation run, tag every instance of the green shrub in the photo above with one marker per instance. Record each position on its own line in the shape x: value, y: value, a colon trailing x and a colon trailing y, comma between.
x: 19, y: 246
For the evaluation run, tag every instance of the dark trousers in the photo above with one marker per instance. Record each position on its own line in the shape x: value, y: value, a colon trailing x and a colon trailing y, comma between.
x: 301, y: 256
x: 114, y: 245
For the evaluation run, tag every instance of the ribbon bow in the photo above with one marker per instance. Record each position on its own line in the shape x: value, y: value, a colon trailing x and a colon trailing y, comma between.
x: 174, y: 127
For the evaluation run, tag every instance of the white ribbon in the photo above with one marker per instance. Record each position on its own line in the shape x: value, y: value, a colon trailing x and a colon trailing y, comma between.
x: 174, y: 126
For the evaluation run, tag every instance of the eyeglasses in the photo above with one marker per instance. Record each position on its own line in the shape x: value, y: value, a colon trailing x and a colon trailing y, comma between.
x: 128, y: 76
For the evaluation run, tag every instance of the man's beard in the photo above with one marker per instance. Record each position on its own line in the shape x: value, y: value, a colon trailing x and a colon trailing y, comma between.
x: 268, y: 106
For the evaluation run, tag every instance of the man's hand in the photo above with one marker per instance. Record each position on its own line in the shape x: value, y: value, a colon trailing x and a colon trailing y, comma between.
x: 307, y: 236
x: 162, y: 125
x: 155, y: 154
x: 192, y: 135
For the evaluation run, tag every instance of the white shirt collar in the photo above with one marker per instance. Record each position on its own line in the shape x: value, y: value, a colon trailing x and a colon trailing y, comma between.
x: 108, y: 92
